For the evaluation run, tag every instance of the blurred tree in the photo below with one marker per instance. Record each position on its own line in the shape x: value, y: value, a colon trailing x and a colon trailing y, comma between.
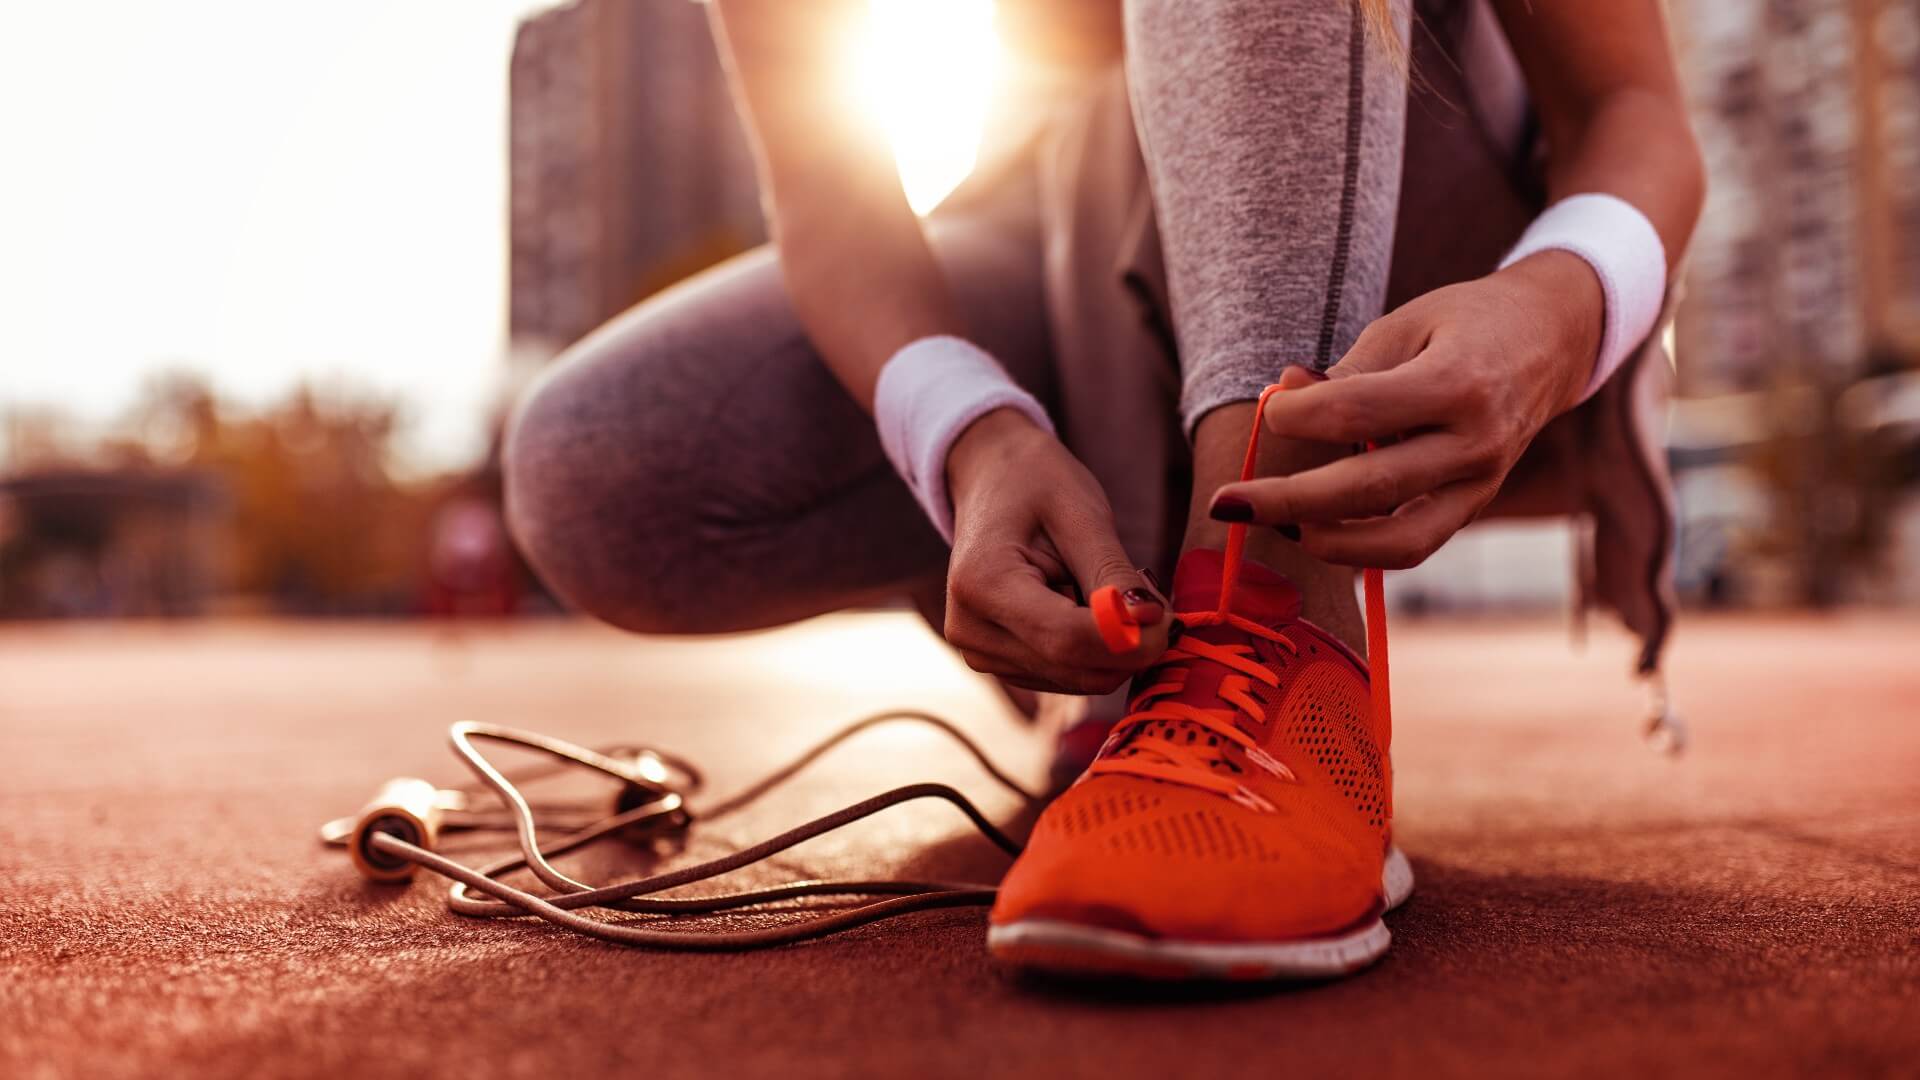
x: 318, y: 523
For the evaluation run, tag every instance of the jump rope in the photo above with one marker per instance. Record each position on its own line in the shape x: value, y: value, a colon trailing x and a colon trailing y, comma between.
x: 395, y: 834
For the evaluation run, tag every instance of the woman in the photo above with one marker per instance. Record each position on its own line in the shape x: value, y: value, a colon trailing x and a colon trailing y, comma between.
x: 1057, y: 373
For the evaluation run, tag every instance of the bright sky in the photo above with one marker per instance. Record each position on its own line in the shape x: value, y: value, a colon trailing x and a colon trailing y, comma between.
x: 259, y: 191
x: 265, y: 191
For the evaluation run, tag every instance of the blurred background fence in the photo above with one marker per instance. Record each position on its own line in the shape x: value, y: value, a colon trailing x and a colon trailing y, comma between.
x: 1795, y: 437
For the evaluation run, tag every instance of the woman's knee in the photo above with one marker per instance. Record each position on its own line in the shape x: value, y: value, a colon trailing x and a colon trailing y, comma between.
x: 595, y: 478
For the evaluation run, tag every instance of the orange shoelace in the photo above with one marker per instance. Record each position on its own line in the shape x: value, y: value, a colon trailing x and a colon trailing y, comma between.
x: 1189, y: 764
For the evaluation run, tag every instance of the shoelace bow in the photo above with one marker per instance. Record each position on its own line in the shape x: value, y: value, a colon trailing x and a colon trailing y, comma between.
x: 1190, y: 764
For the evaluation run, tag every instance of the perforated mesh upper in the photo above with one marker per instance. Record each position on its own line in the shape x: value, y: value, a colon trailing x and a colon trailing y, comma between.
x: 1131, y: 818
x: 1318, y: 722
x: 1326, y: 716
x: 1180, y: 732
x: 1112, y: 807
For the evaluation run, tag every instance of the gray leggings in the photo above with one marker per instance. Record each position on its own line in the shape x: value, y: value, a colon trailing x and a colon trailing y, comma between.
x: 693, y: 467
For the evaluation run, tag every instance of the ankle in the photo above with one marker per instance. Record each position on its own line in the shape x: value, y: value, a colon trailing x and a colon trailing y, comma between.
x: 1328, y: 599
x: 1327, y: 596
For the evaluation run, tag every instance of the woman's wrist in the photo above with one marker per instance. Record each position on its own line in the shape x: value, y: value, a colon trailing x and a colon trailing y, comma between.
x: 986, y: 446
x: 1626, y: 257
x: 929, y: 395
x: 1561, y: 291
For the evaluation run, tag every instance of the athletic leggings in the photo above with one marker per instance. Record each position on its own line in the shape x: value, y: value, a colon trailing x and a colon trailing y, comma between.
x: 694, y: 467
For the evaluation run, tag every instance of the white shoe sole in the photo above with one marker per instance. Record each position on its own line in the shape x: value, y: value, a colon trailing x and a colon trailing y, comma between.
x: 1075, y: 948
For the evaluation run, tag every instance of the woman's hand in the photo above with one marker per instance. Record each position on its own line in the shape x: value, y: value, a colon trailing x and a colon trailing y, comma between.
x: 1463, y: 378
x: 1032, y: 527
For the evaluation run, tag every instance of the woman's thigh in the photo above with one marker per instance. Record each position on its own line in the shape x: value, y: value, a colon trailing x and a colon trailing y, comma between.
x: 694, y: 467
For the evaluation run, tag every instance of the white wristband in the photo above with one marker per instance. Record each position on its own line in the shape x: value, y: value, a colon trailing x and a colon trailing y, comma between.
x: 1618, y: 241
x: 927, y: 395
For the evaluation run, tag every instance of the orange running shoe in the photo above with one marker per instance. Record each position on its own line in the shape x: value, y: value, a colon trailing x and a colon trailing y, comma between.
x: 1237, y: 822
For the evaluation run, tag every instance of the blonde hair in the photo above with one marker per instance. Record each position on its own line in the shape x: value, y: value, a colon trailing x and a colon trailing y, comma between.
x: 1379, y: 17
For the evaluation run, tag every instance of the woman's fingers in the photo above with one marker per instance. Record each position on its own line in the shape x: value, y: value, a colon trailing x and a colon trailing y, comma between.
x: 1035, y: 525
x: 1404, y: 538
x: 1363, y: 485
x: 995, y: 650
x: 1014, y: 623
x: 1373, y: 393
x: 1094, y: 556
x: 1064, y: 639
x: 1007, y: 672
x: 1369, y: 407
x: 1038, y: 686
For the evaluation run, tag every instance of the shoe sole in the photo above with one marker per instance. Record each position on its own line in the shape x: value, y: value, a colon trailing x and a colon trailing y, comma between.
x: 1068, y: 948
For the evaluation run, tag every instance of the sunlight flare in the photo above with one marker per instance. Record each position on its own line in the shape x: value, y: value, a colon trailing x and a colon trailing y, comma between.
x: 926, y: 70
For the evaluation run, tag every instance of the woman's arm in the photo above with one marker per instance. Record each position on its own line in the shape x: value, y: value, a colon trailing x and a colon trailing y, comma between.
x: 1474, y: 371
x: 856, y: 263
x: 1031, y: 523
x: 1611, y: 110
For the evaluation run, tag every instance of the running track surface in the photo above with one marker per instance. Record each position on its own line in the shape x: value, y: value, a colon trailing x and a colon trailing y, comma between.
x: 1585, y: 906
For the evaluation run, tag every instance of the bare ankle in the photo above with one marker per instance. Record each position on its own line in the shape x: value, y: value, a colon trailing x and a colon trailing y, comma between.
x: 1219, y: 450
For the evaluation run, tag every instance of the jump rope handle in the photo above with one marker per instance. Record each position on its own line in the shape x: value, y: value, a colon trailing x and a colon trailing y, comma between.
x: 405, y: 807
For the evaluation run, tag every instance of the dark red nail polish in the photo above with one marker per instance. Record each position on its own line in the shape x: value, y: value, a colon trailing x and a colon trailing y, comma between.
x: 1230, y: 508
x: 1138, y: 597
x: 1291, y: 532
x: 1153, y: 579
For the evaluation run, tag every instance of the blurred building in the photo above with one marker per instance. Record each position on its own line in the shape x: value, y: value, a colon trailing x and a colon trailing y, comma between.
x: 1809, y: 250
x: 1888, y: 37
x: 86, y: 542
x: 628, y: 167
x: 1798, y: 336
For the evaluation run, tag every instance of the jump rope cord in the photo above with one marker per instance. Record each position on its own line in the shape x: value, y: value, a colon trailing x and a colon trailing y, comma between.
x: 571, y: 895
x: 633, y: 896
x: 535, y: 858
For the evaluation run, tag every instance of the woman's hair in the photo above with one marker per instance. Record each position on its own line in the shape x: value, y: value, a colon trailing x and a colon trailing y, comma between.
x: 1379, y: 16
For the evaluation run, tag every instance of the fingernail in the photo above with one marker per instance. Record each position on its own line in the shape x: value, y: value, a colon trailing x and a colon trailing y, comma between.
x: 1318, y: 375
x: 1153, y: 579
x: 1230, y: 508
x: 1291, y: 532
x: 1139, y: 597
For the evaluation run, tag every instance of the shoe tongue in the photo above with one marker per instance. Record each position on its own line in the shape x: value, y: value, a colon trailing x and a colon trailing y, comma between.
x: 1259, y: 594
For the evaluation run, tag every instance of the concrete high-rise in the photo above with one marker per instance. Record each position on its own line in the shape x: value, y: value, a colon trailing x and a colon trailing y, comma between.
x: 628, y: 167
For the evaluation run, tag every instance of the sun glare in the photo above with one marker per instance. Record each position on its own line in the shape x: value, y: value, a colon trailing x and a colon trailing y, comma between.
x: 926, y: 71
